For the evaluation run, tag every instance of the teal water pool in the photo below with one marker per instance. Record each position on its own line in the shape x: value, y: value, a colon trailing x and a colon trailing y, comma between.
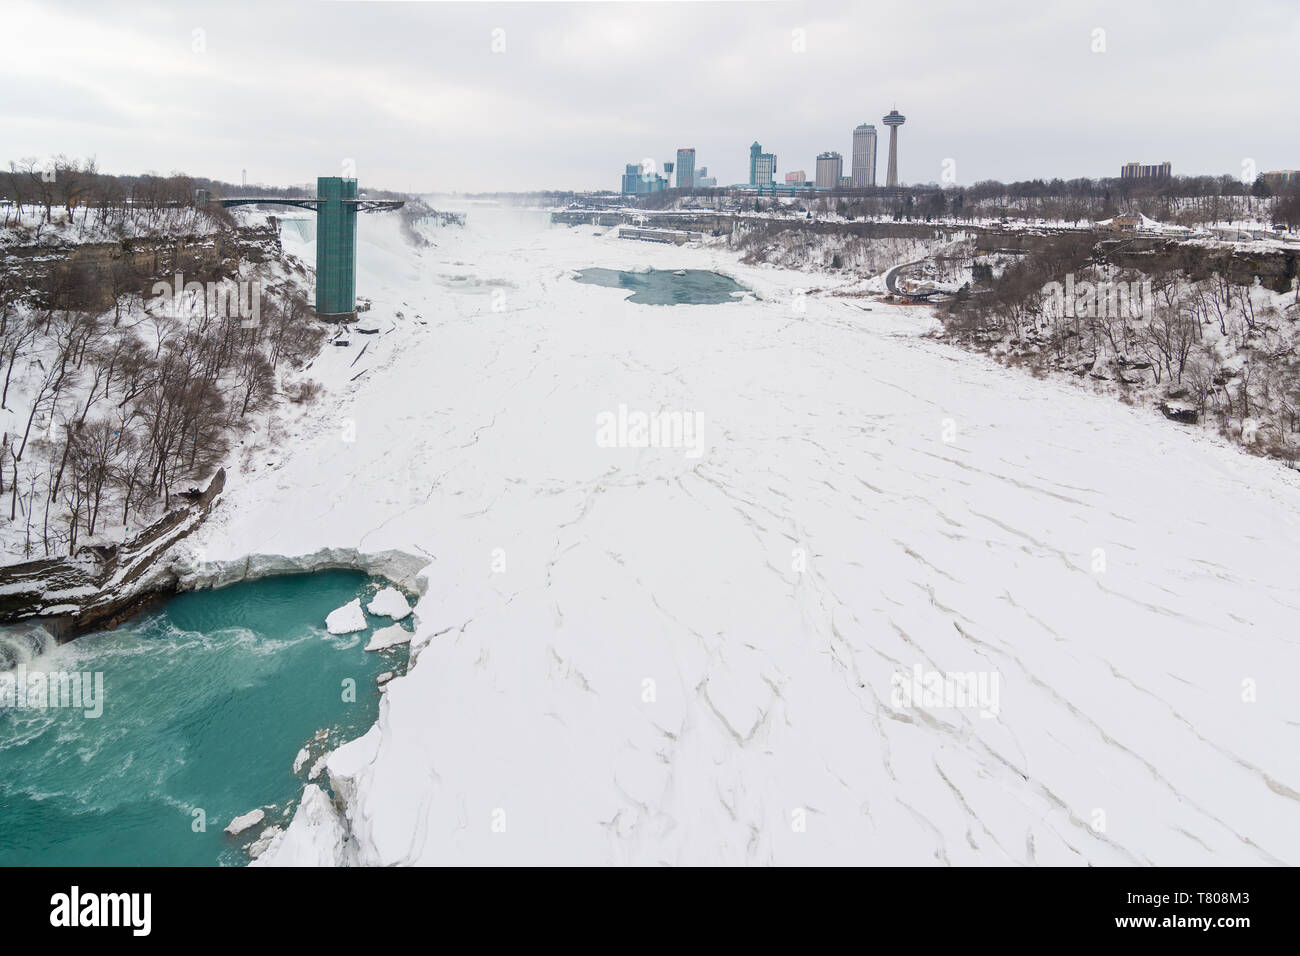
x: 665, y: 287
x: 207, y: 700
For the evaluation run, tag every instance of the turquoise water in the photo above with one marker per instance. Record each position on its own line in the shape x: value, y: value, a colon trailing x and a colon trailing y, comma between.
x: 207, y: 701
x: 664, y: 287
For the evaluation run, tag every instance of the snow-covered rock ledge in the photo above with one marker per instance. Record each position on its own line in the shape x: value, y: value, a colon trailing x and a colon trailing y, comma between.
x: 100, y: 587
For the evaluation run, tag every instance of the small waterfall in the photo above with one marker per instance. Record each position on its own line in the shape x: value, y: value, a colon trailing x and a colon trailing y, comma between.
x: 304, y: 229
x: 21, y: 644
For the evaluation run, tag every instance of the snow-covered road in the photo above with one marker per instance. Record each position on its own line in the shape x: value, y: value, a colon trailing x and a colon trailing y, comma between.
x: 632, y: 655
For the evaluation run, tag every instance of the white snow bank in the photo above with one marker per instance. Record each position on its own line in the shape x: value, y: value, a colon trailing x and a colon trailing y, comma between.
x: 263, y: 842
x: 316, y: 837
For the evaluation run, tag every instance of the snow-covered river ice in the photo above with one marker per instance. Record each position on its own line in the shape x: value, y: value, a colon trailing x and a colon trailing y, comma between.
x: 696, y: 580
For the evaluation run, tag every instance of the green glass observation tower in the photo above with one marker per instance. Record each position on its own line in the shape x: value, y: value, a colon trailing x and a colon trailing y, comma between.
x: 336, y: 246
x: 336, y: 204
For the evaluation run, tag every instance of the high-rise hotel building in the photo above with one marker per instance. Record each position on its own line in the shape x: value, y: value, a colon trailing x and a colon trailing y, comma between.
x: 829, y: 167
x: 1138, y: 171
x: 762, y: 166
x: 686, y: 169
x: 864, y: 156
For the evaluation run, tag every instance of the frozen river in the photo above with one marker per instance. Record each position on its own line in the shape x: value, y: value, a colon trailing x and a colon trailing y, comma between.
x: 697, y: 578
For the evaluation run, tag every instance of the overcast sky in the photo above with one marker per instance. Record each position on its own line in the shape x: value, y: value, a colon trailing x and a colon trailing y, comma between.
x: 416, y: 96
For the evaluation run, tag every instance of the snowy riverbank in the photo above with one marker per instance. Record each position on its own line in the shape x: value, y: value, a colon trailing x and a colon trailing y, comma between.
x: 630, y: 655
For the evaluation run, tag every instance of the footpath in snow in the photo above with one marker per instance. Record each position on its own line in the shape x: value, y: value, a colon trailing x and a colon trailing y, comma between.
x: 634, y: 655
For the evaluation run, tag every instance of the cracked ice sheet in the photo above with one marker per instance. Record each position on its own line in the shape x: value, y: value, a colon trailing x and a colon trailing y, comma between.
x: 1120, y: 690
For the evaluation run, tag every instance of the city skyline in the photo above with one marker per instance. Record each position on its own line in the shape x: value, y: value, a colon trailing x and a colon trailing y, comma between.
x: 449, y: 113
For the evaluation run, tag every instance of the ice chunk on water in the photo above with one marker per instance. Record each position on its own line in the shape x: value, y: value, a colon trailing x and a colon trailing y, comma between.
x: 389, y: 636
x: 389, y: 602
x: 347, y: 619
x: 250, y: 819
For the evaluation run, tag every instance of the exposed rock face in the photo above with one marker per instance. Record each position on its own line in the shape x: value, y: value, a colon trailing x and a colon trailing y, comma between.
x: 99, y: 587
x: 1178, y: 412
x: 1274, y: 268
x: 34, y: 270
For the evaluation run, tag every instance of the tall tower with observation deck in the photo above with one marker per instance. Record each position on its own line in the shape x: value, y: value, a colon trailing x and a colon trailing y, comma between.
x: 893, y: 120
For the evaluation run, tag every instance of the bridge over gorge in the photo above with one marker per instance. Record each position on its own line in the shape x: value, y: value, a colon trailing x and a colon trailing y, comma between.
x: 336, y: 204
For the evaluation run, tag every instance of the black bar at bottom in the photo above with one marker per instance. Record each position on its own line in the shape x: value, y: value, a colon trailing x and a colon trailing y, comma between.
x: 239, y: 905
